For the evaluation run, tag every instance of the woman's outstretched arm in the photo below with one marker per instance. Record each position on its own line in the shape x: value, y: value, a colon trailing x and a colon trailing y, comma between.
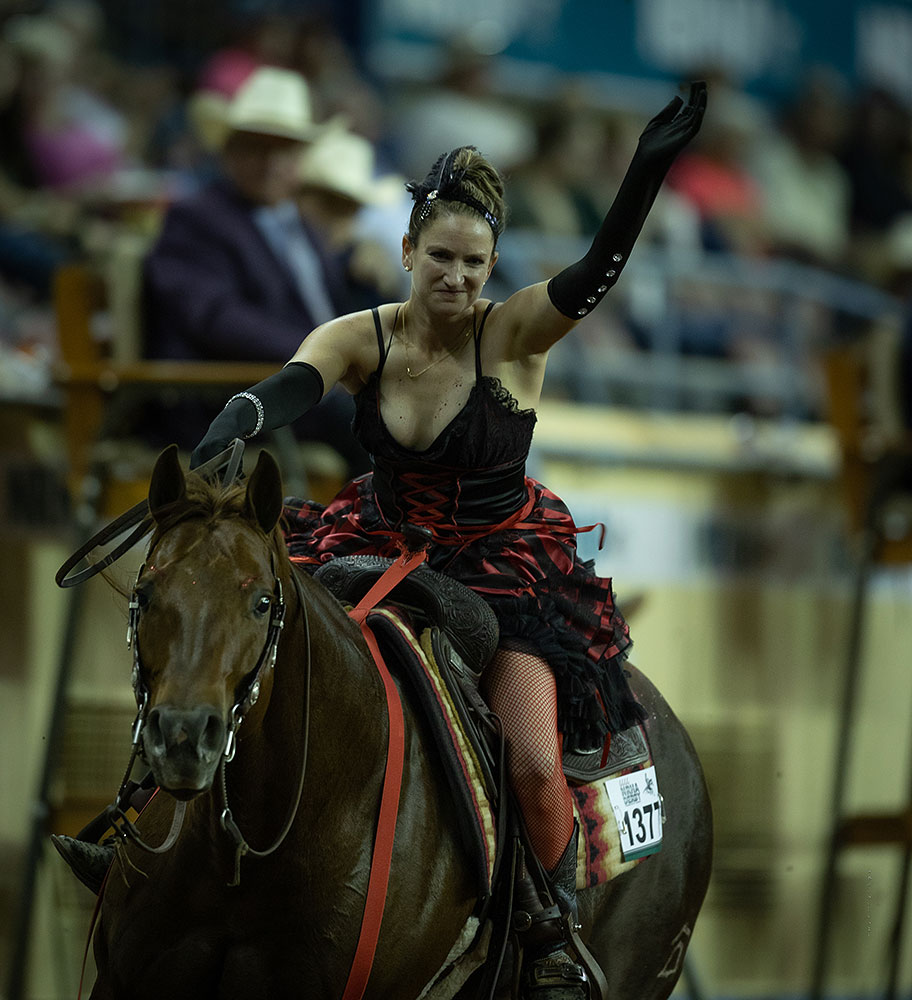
x: 331, y: 354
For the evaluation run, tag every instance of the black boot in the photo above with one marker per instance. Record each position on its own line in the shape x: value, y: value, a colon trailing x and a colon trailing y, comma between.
x: 87, y: 855
x: 550, y: 973
x: 87, y: 861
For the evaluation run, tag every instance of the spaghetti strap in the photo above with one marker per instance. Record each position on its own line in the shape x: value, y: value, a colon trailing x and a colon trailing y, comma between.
x: 375, y: 312
x: 478, y: 334
x: 381, y: 347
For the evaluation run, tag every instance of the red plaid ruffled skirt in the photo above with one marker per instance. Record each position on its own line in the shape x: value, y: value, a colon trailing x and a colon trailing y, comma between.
x: 527, y: 568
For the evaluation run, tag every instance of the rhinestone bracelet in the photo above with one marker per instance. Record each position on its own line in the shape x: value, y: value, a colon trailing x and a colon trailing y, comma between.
x: 261, y: 415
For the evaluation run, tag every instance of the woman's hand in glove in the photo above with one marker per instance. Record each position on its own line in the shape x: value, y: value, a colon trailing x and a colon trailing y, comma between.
x: 673, y: 127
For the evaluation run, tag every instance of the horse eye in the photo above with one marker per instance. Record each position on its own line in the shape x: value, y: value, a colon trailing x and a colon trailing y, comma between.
x: 142, y: 599
x: 263, y: 605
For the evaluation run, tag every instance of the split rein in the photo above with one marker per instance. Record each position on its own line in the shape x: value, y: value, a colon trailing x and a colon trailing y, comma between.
x: 247, y: 698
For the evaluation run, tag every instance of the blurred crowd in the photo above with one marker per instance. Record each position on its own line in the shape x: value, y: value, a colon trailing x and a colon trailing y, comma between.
x: 98, y: 146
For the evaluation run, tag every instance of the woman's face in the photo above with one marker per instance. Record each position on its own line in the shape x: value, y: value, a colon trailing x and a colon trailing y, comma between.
x: 450, y: 262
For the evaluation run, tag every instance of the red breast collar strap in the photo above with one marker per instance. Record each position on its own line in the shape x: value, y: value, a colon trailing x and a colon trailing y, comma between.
x: 392, y: 783
x: 398, y: 571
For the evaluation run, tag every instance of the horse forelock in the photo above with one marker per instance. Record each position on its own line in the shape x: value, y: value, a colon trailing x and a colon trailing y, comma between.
x: 211, y: 503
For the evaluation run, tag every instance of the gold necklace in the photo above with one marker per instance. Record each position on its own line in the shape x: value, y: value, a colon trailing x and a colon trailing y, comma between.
x: 450, y: 351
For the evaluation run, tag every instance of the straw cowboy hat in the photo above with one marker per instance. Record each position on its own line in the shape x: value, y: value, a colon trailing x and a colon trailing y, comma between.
x: 343, y: 163
x: 271, y: 101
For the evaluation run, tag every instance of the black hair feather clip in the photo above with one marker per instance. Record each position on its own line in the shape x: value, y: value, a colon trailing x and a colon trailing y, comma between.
x: 443, y: 181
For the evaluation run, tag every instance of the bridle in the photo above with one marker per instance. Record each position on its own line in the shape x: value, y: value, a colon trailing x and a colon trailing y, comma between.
x: 246, y: 697
x: 249, y: 689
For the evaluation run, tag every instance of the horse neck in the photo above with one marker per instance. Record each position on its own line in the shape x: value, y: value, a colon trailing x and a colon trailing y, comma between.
x: 347, y: 701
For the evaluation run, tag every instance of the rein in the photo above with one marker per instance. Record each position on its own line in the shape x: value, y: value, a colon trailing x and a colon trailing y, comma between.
x: 227, y: 820
x: 225, y: 466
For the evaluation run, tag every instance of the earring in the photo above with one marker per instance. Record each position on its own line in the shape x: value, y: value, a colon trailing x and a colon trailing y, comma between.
x: 408, y: 267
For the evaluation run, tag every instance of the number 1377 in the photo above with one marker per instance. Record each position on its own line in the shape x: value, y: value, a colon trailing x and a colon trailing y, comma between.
x: 636, y: 820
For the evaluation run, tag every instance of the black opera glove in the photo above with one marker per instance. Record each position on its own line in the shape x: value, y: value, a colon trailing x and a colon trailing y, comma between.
x: 274, y: 402
x: 581, y: 286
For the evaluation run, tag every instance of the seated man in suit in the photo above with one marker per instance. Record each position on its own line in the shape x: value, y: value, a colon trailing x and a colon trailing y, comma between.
x: 236, y: 274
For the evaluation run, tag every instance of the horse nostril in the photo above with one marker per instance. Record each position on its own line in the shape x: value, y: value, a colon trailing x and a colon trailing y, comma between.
x: 153, y: 738
x: 213, y: 737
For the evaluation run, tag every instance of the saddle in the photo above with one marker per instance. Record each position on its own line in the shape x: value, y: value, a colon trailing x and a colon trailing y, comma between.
x: 464, y: 634
x: 464, y: 617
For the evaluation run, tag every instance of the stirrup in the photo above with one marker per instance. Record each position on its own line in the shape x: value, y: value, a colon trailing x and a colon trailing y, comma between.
x: 560, y: 966
x: 555, y: 977
x: 88, y: 862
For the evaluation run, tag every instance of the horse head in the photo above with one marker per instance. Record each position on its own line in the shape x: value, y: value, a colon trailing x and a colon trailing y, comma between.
x: 206, y: 617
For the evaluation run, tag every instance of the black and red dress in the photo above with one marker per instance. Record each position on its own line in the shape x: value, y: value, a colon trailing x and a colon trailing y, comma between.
x: 499, y: 532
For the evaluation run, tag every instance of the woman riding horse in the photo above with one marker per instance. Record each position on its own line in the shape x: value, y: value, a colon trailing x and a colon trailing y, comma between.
x: 446, y: 386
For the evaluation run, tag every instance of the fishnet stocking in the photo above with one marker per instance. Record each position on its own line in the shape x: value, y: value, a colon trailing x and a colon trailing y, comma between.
x: 519, y: 687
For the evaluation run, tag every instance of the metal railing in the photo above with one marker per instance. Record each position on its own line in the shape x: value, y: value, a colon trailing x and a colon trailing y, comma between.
x: 704, y: 332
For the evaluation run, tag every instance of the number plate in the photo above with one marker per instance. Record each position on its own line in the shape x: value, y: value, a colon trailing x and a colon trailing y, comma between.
x: 637, y: 808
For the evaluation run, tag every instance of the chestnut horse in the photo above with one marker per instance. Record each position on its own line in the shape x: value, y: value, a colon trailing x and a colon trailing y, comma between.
x: 239, y: 655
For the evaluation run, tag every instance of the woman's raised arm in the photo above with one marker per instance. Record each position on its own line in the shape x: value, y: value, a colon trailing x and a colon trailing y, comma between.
x: 579, y: 288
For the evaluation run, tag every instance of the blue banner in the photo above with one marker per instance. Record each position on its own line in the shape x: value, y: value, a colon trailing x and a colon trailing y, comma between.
x: 765, y: 46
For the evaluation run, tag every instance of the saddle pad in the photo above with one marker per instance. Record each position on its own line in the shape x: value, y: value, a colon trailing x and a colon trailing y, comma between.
x: 411, y: 659
x: 599, y: 856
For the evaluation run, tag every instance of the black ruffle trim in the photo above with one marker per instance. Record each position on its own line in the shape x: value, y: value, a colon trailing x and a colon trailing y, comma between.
x: 593, y: 697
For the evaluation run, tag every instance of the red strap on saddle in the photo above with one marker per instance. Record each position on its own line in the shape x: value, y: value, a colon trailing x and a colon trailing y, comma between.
x: 392, y: 783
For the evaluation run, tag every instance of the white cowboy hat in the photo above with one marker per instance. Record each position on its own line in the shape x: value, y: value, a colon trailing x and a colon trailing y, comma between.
x: 343, y: 163
x: 273, y: 101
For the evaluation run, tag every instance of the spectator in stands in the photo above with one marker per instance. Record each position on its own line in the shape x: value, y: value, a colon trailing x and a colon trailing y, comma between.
x: 187, y: 135
x: 337, y: 82
x: 551, y: 192
x: 266, y: 39
x: 73, y: 135
x: 461, y: 107
x: 36, y: 225
x: 806, y: 191
x: 338, y: 184
x: 877, y: 156
x: 236, y: 274
x: 714, y: 176
x: 580, y: 158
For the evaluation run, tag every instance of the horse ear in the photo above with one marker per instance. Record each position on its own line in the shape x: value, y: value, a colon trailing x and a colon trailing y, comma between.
x: 264, y: 493
x: 168, y: 485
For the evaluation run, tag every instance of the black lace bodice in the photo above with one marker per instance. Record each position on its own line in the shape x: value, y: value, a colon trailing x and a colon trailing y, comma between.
x: 480, y: 454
